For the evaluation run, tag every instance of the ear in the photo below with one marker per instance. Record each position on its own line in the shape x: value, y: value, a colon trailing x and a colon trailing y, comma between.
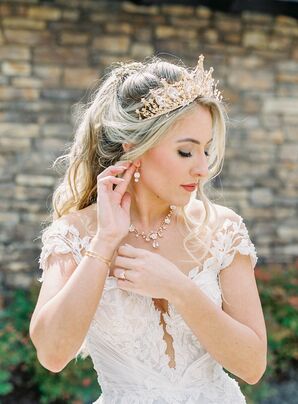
x: 127, y: 146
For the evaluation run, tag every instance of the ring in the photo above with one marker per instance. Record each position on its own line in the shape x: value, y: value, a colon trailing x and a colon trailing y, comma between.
x: 123, y: 275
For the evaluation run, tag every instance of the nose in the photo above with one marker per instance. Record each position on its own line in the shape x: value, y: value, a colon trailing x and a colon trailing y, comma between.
x: 201, y: 168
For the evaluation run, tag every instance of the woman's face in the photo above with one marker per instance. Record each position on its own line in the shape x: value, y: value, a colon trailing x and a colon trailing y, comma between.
x: 180, y: 158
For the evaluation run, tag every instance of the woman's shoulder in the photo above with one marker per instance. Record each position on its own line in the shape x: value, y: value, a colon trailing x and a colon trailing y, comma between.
x: 221, y: 214
x: 68, y: 234
x: 82, y: 221
x: 85, y: 219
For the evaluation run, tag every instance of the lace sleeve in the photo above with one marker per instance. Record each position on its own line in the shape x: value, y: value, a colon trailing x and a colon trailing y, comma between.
x: 60, y: 238
x: 234, y: 238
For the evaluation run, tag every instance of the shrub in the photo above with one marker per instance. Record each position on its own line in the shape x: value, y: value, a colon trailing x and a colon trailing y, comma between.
x: 21, y: 374
x: 277, y: 286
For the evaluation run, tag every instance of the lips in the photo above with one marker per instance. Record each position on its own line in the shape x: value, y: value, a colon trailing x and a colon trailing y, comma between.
x: 190, y: 187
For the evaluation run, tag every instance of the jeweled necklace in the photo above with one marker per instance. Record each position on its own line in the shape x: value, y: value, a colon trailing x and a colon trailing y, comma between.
x: 153, y: 235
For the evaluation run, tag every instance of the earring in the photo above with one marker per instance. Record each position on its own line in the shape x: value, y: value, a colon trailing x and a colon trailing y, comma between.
x: 137, y: 175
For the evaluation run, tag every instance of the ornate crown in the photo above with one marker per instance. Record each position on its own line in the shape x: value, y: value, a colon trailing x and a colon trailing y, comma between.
x: 180, y: 93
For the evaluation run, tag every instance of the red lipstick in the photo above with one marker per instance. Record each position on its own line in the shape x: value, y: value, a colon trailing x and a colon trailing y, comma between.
x: 189, y: 187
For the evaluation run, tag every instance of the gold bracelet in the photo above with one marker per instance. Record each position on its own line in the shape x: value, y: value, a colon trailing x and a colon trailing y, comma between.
x: 95, y: 255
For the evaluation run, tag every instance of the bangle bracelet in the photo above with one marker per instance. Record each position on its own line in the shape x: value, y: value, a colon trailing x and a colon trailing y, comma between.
x: 95, y: 255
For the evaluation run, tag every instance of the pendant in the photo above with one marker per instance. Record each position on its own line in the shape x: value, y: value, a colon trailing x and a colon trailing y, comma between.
x: 131, y: 228
x: 155, y: 244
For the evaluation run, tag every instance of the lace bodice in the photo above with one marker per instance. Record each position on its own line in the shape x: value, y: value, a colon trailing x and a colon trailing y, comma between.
x: 125, y: 338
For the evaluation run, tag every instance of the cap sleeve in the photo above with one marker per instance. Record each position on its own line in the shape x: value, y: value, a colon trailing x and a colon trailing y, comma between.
x: 234, y: 238
x: 61, y: 237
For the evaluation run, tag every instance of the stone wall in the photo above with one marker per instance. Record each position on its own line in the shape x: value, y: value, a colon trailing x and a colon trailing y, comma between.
x: 52, y: 52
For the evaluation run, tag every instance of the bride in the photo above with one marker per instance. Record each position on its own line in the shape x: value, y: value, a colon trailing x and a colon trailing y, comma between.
x: 141, y: 271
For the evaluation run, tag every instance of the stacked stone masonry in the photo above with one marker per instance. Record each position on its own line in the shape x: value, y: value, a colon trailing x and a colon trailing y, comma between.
x: 52, y: 52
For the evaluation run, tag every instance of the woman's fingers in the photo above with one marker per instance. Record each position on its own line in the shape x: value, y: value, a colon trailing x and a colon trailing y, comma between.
x: 118, y: 169
x: 121, y: 188
x: 107, y: 178
x: 110, y: 179
x: 125, y: 262
x: 120, y: 166
x: 108, y: 182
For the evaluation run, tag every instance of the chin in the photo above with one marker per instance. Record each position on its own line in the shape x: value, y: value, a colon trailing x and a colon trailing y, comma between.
x: 181, y: 202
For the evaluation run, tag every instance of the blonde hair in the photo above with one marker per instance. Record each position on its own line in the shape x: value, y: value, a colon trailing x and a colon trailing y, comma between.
x: 109, y: 120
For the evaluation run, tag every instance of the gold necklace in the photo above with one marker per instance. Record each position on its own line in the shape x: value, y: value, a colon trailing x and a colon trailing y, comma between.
x: 153, y: 235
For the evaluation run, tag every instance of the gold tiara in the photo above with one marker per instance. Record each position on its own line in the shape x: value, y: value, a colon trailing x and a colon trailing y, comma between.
x: 180, y: 93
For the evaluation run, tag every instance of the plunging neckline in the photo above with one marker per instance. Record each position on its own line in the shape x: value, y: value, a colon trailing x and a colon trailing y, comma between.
x: 163, y: 320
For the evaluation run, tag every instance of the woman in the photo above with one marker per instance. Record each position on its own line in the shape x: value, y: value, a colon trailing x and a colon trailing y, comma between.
x: 155, y: 284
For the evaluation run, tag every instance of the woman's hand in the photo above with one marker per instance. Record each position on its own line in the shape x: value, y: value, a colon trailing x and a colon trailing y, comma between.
x: 113, y: 205
x: 147, y: 273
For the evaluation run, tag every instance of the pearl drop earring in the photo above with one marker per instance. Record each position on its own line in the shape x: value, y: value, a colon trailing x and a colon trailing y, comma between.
x: 137, y: 175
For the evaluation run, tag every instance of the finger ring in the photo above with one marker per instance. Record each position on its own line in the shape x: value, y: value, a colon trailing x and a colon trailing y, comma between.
x: 123, y: 275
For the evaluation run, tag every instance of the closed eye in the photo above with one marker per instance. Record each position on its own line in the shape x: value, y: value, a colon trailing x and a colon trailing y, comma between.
x: 183, y: 154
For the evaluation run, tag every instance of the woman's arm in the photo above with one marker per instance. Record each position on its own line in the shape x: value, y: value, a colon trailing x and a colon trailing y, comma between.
x: 235, y: 335
x: 65, y: 307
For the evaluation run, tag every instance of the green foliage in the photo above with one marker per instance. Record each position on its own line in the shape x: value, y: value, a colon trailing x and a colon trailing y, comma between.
x: 278, y: 292
x: 21, y: 374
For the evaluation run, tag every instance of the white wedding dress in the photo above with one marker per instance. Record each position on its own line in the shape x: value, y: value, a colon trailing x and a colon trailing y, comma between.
x: 125, y: 338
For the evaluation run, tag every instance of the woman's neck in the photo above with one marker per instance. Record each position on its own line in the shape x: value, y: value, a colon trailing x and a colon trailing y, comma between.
x: 147, y: 210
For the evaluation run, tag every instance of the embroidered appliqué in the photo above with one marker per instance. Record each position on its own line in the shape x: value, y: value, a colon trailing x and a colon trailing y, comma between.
x: 232, y: 238
x: 61, y: 238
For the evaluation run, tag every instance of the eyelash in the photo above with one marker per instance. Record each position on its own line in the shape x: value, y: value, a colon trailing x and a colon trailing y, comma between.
x: 182, y: 154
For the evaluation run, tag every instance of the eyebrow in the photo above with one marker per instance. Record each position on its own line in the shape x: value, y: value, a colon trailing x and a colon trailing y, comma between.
x: 189, y: 139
